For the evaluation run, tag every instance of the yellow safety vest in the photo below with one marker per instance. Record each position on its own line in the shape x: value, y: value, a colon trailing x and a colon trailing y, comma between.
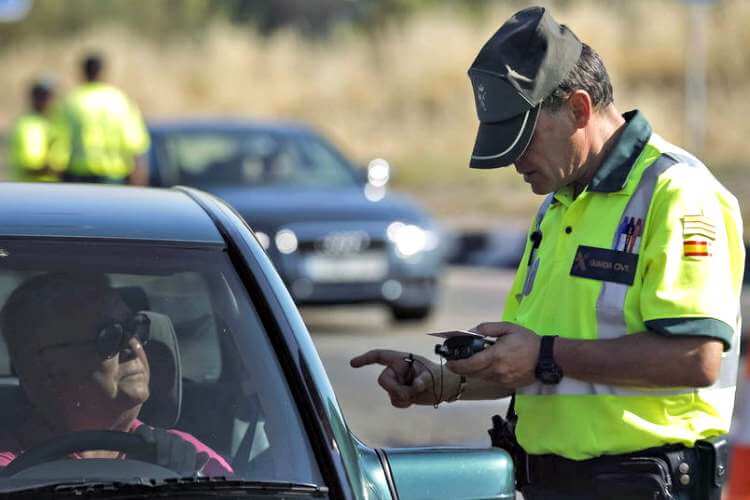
x: 103, y: 131
x: 654, y: 243
x: 29, y: 150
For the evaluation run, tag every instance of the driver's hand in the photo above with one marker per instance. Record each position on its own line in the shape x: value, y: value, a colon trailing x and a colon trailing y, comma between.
x: 407, y: 383
x: 172, y: 452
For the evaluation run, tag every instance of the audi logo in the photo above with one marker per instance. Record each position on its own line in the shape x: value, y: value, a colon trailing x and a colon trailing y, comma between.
x: 343, y: 243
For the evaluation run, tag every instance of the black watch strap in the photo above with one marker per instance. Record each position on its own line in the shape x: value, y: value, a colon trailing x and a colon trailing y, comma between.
x: 546, y: 350
x: 547, y: 371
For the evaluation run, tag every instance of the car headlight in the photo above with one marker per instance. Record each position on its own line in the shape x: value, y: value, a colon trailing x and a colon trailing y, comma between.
x: 410, y: 239
x: 286, y: 241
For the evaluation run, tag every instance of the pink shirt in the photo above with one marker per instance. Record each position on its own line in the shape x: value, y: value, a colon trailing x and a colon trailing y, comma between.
x: 216, y: 465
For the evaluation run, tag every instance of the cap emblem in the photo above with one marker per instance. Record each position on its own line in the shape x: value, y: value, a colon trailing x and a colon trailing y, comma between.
x: 515, y: 75
x: 482, y: 96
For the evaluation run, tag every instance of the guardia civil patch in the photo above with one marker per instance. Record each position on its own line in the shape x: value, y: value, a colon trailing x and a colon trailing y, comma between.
x: 603, y: 264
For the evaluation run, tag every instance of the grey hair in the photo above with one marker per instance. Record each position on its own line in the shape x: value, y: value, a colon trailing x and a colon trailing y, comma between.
x: 589, y: 74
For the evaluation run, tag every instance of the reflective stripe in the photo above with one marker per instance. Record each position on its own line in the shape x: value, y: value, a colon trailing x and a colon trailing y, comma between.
x: 534, y: 265
x: 530, y: 277
x: 571, y: 386
x: 611, y: 303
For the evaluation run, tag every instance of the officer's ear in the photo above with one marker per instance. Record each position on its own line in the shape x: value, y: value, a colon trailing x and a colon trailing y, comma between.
x: 581, y: 107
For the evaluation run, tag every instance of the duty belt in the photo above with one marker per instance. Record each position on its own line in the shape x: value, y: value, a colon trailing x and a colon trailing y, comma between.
x: 699, y: 471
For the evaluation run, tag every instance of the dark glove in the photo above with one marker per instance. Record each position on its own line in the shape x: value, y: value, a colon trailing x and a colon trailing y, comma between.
x: 171, y: 451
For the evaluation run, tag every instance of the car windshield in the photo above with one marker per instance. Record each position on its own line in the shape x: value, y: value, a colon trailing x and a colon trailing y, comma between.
x: 250, y: 158
x: 158, y: 342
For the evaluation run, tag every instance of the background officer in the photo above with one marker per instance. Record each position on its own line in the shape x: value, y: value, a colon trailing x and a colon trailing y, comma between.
x: 31, y: 137
x: 104, y: 134
x: 620, y: 333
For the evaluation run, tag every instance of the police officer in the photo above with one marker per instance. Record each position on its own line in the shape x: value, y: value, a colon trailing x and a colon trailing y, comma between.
x: 31, y: 136
x: 105, y: 137
x: 620, y: 334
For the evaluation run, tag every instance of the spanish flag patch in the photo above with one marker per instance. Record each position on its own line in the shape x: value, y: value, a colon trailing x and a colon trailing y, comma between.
x: 696, y: 248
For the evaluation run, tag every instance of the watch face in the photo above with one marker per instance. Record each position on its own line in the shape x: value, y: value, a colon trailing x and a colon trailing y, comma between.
x: 548, y: 372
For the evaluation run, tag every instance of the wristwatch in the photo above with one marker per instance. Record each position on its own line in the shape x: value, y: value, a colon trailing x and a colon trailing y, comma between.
x: 547, y: 371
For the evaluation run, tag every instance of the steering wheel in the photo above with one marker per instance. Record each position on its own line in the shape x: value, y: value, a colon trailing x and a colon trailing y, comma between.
x: 124, y: 442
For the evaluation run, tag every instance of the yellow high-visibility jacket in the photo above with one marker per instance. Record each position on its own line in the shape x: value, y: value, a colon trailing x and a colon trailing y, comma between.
x: 102, y: 132
x: 29, y: 150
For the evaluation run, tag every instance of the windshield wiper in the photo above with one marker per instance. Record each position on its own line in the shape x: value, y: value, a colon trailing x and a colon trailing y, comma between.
x: 210, y: 486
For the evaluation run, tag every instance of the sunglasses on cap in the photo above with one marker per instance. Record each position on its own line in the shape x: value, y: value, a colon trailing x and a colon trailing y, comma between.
x: 114, y: 337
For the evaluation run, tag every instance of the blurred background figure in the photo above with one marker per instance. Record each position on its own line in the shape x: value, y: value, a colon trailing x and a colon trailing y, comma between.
x: 29, y: 148
x: 103, y: 134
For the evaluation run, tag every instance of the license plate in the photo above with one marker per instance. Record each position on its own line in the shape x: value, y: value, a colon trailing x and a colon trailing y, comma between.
x: 372, y: 266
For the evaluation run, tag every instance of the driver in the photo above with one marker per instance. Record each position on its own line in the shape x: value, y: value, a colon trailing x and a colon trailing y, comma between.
x: 78, y: 352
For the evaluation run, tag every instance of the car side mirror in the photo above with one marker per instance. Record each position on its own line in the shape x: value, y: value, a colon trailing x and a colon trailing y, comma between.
x: 452, y: 473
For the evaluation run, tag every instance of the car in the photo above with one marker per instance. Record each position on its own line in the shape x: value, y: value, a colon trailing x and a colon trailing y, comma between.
x: 231, y: 365
x: 335, y: 233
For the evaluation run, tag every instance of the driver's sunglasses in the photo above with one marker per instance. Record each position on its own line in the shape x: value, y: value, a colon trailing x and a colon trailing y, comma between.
x: 114, y: 337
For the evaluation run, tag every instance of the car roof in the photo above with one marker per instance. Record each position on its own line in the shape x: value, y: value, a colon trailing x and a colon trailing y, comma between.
x: 103, y: 211
x: 192, y: 125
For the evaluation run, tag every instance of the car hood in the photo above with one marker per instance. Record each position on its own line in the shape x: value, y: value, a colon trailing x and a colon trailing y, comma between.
x: 269, y: 208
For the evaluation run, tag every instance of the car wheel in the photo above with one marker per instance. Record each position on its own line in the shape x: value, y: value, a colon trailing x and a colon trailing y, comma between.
x: 411, y: 313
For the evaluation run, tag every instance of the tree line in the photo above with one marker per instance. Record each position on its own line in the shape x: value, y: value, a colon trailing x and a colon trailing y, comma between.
x: 52, y: 19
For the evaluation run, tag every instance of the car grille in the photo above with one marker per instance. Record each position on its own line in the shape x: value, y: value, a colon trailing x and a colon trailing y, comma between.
x: 342, y: 243
x: 344, y: 257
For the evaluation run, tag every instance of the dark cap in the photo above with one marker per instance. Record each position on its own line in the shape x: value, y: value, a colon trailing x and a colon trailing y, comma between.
x: 514, y: 72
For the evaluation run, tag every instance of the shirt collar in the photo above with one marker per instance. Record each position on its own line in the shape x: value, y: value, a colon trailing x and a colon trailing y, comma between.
x: 613, y: 173
x: 614, y: 170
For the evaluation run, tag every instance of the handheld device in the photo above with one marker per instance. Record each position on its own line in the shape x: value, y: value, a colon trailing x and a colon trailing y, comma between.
x: 462, y: 345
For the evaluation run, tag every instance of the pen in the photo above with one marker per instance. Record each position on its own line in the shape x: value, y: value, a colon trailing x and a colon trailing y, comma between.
x: 621, y: 234
x: 630, y: 230
x: 637, y: 230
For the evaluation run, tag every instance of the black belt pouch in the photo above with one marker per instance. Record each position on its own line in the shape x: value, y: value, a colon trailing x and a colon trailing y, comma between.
x: 636, y: 478
x: 713, y: 455
x: 503, y: 436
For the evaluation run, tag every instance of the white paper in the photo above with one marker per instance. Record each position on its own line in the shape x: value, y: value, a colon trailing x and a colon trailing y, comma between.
x: 455, y: 333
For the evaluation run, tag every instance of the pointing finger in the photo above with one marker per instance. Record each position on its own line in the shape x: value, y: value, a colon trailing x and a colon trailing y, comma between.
x: 376, y: 356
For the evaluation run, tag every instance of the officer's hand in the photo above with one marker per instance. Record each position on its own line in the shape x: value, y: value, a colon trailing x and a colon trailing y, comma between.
x: 406, y: 383
x: 510, y: 362
x: 171, y: 451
